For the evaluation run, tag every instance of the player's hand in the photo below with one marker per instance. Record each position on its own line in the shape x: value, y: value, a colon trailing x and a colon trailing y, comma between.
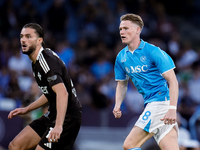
x: 170, y: 117
x: 54, y: 134
x: 117, y: 113
x: 17, y: 111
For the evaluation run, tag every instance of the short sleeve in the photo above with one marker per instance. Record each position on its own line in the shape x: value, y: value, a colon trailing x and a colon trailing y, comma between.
x: 162, y: 60
x: 120, y: 74
x: 53, y: 78
x: 54, y: 75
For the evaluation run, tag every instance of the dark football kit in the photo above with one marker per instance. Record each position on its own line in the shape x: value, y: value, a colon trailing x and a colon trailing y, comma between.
x: 48, y: 71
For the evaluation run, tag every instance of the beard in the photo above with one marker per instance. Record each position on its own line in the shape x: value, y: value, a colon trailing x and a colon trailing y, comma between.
x: 31, y: 49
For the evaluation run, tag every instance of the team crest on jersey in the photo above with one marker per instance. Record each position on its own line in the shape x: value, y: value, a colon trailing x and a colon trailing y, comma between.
x: 143, y: 59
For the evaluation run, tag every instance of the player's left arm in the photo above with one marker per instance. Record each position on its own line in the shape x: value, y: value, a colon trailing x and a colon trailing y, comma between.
x: 170, y: 117
x: 61, y: 107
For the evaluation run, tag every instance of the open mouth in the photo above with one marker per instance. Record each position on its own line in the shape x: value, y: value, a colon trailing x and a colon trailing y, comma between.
x: 123, y: 37
x: 24, y: 45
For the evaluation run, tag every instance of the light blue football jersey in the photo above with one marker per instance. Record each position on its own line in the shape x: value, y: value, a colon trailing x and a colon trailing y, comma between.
x: 145, y: 67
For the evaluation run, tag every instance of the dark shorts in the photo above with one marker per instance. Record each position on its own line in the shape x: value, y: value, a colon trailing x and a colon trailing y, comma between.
x: 71, y: 128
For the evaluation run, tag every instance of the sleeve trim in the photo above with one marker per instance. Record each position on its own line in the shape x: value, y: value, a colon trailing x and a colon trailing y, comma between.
x: 121, y: 79
x: 168, y: 70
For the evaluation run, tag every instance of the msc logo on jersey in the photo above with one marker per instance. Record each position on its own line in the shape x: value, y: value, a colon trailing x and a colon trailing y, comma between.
x: 138, y: 69
x: 44, y: 89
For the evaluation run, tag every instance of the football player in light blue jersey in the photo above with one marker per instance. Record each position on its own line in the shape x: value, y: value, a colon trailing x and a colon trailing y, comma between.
x: 150, y: 69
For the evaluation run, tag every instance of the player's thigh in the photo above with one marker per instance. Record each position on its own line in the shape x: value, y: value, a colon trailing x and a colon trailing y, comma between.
x: 27, y: 138
x: 39, y: 148
x: 170, y: 141
x: 137, y: 137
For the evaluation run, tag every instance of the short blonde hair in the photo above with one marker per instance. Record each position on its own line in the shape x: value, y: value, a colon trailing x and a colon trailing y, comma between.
x: 133, y: 18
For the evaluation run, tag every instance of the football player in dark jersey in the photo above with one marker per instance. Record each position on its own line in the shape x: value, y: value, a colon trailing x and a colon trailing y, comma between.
x: 59, y: 127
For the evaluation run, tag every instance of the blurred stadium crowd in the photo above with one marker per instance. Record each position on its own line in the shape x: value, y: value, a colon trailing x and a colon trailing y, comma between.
x: 85, y: 34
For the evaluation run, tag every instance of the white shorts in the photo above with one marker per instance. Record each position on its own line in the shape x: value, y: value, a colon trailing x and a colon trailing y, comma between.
x: 150, y: 121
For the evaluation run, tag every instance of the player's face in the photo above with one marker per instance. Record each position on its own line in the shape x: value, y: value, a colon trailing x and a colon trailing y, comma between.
x: 29, y: 40
x: 128, y: 31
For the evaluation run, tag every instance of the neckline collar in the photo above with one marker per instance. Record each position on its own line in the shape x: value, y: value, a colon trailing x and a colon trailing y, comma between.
x: 140, y: 47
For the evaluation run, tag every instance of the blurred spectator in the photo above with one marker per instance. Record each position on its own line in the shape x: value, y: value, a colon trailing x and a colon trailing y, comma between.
x: 187, y: 56
x: 45, y: 5
x: 184, y: 139
x: 165, y: 26
x: 85, y: 96
x: 66, y: 53
x: 5, y: 52
x: 89, y: 28
x: 81, y: 50
x: 4, y: 18
x: 26, y: 13
x: 194, y: 82
x: 158, y: 42
x: 108, y: 86
x: 174, y: 45
x: 56, y: 19
x: 4, y: 80
x: 99, y: 99
x: 19, y: 63
x: 13, y: 90
x: 186, y: 105
x: 21, y: 66
x: 101, y: 67
x: 85, y: 81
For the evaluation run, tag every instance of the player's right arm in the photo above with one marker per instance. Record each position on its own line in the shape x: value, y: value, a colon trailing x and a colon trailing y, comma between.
x: 36, y: 104
x: 121, y: 90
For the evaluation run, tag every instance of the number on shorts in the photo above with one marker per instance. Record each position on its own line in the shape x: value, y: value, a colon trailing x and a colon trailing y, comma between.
x: 146, y: 115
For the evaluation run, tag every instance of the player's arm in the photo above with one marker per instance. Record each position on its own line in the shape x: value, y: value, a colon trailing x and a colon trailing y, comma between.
x: 121, y: 90
x: 173, y: 91
x: 61, y: 107
x: 42, y: 100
